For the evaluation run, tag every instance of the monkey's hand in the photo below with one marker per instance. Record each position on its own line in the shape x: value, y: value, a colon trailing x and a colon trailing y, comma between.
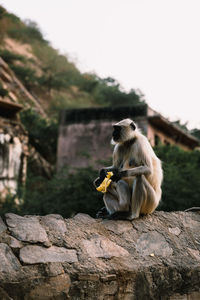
x: 102, y: 173
x: 97, y: 182
x: 117, y: 175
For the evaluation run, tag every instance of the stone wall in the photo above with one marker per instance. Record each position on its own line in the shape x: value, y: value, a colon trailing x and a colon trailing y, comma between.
x: 48, y: 257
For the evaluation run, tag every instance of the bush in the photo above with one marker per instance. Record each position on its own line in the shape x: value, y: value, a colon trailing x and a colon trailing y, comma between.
x: 42, y: 133
x: 181, y: 188
x: 66, y: 194
x: 27, y: 33
x: 10, y: 57
x: 26, y: 75
x: 108, y: 92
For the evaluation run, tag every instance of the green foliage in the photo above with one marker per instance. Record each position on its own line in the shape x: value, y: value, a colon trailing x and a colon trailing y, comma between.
x: 3, y: 92
x: 58, y: 72
x: 42, y: 133
x: 2, y: 12
x: 10, y: 57
x: 196, y: 132
x: 108, y: 92
x: 88, y: 82
x: 12, y: 18
x: 181, y: 188
x: 27, y: 33
x: 9, y: 205
x: 26, y: 75
x: 66, y: 194
x: 182, y: 126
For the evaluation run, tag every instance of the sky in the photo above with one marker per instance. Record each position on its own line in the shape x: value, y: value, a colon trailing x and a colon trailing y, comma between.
x: 150, y: 45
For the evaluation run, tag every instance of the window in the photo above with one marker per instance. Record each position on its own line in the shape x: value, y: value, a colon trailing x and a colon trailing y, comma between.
x: 157, y: 140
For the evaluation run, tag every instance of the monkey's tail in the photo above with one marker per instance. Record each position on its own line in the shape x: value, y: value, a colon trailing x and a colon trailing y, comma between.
x: 192, y: 209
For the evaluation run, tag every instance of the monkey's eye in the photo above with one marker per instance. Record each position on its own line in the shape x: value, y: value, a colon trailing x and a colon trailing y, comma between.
x: 133, y: 126
x: 116, y: 127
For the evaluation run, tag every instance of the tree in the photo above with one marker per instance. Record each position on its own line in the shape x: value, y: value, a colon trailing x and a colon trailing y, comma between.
x: 109, y: 92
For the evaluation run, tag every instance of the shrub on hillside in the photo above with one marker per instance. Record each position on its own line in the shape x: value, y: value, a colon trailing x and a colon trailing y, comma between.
x: 109, y: 93
x: 181, y: 188
x: 27, y: 32
x: 10, y: 57
x: 26, y: 75
x: 42, y: 133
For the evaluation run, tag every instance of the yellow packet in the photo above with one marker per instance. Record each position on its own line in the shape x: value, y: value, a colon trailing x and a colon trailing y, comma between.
x: 105, y: 183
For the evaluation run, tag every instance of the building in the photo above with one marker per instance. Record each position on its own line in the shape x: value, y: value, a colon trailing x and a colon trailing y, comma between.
x: 13, y: 137
x: 85, y: 134
x: 13, y: 149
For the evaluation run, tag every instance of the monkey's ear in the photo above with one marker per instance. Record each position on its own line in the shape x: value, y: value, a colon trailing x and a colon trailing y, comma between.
x: 133, y: 126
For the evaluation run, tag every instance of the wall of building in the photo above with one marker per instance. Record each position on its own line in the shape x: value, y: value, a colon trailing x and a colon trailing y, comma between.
x: 83, y: 145
x: 155, y: 136
x: 13, y: 150
x: 85, y: 134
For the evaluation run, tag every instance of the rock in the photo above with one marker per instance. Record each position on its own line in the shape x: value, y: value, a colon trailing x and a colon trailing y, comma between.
x: 54, y: 223
x: 117, y: 227
x: 102, y: 247
x: 153, y: 243
x: 14, y: 243
x: 37, y: 254
x: 2, y: 226
x: 85, y: 219
x: 153, y: 257
x: 54, y: 269
x: 9, y: 264
x: 51, y: 288
x: 27, y: 229
x: 175, y: 230
x: 4, y: 295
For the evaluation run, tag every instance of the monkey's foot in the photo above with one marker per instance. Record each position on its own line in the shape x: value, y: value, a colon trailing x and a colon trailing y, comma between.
x: 132, y: 217
x: 119, y: 215
x: 102, y: 213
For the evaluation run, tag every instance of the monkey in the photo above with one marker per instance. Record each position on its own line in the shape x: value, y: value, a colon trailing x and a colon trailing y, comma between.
x: 136, y: 184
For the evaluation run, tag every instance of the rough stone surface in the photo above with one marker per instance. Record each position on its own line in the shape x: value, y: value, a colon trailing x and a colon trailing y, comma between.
x: 2, y: 226
x: 156, y: 257
x: 9, y: 264
x: 37, y: 254
x: 51, y: 288
x: 103, y: 247
x: 153, y: 243
x: 26, y: 229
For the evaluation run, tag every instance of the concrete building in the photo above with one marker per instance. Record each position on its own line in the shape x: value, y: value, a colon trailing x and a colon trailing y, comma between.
x: 85, y: 134
x: 13, y: 149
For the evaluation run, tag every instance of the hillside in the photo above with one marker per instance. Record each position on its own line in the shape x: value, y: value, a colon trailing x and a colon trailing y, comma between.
x: 50, y: 77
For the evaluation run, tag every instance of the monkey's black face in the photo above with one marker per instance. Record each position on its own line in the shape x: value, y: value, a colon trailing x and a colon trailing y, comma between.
x: 116, y: 133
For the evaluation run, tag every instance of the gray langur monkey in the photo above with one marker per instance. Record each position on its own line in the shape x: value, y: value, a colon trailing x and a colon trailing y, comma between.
x: 136, y: 184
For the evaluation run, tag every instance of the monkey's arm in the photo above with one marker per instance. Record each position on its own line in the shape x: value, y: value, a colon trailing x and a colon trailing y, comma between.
x: 141, y: 170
